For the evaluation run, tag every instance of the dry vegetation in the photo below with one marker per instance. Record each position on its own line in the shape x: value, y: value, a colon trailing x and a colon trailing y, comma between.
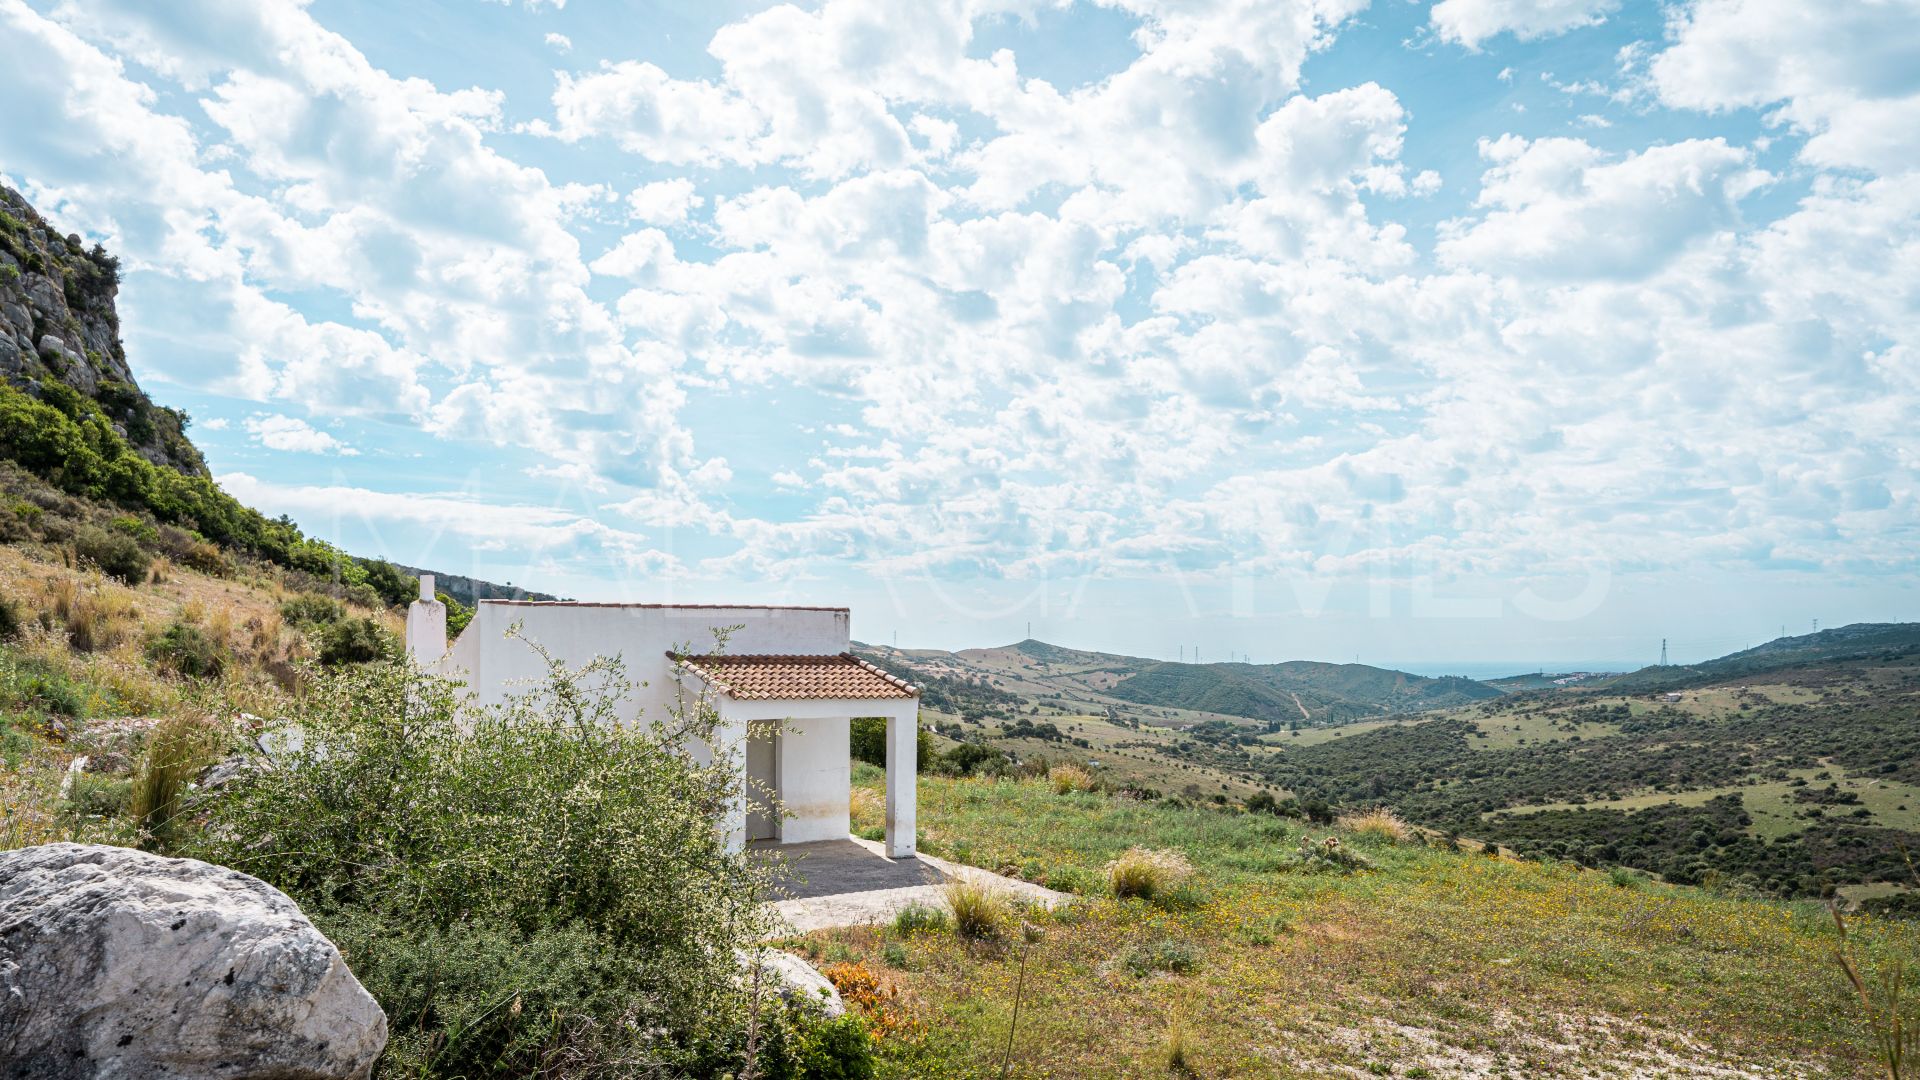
x: 105, y: 713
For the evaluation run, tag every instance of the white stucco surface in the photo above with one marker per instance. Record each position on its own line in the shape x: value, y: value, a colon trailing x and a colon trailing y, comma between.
x: 809, y: 757
x: 641, y: 635
x: 815, y: 776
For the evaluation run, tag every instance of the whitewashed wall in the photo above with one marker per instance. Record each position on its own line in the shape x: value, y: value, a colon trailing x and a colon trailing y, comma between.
x: 641, y: 635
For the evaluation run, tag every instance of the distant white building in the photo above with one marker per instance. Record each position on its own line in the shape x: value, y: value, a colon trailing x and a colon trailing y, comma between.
x: 786, y: 664
x: 1675, y: 697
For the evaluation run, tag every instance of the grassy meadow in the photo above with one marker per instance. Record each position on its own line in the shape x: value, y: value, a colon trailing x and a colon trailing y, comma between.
x: 1430, y: 963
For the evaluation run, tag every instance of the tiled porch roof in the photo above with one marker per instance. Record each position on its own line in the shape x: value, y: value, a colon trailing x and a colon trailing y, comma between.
x: 839, y: 677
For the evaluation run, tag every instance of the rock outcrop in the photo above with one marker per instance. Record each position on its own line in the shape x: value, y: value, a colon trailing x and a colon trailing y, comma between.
x: 119, y: 964
x: 58, y: 328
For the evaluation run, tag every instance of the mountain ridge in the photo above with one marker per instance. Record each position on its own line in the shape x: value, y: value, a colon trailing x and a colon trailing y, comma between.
x: 73, y: 415
x: 1288, y: 693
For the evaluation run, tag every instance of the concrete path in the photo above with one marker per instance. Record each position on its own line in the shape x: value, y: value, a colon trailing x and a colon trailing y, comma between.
x: 851, y: 882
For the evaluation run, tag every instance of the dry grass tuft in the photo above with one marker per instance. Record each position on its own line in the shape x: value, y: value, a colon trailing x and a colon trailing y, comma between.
x: 160, y: 571
x: 177, y: 749
x: 266, y: 628
x: 1179, y: 1049
x: 979, y: 911
x: 1069, y: 778
x: 1146, y: 872
x: 220, y: 624
x: 97, y: 616
x: 1380, y: 824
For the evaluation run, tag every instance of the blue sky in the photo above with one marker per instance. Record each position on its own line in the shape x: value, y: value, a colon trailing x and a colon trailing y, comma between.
x: 1515, y: 331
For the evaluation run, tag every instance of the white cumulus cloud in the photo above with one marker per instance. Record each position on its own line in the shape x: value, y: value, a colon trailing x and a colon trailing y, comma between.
x: 1473, y: 22
x: 293, y: 434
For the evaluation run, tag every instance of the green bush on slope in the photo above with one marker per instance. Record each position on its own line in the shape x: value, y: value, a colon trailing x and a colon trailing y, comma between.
x: 67, y: 440
x: 529, y: 889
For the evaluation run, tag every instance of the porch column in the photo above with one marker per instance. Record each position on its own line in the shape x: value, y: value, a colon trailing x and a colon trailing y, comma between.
x: 903, y: 743
x: 730, y: 738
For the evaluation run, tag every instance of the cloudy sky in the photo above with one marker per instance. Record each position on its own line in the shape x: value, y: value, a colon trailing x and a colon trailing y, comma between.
x: 1492, y: 330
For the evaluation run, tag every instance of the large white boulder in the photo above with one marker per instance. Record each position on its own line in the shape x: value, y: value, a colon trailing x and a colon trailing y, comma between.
x: 792, y: 978
x: 119, y: 964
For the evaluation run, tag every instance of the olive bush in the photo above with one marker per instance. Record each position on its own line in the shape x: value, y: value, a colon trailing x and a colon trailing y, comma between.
x: 529, y: 889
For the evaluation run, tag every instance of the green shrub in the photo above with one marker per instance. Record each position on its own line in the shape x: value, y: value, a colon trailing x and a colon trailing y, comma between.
x: 356, y: 641
x: 135, y: 529
x: 393, y: 585
x: 867, y: 741
x: 55, y: 694
x: 206, y: 558
x: 93, y: 795
x: 35, y: 688
x: 919, y: 917
x: 1327, y: 856
x: 838, y: 1049
x: 1166, y: 954
x: 186, y: 650
x: 529, y: 889
x: 969, y: 758
x: 115, y: 553
x: 459, y: 615
x: 312, y: 609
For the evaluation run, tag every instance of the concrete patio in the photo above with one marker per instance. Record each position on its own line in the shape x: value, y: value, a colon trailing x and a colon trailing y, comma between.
x: 851, y: 882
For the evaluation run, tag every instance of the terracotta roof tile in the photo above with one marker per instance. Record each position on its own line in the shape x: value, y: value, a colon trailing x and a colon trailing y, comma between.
x: 839, y: 677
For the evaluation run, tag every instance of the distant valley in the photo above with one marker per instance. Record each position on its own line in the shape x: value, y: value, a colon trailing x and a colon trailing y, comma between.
x: 1789, y: 768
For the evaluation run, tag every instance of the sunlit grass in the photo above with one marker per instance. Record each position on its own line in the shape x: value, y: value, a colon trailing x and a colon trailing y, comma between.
x: 1429, y: 961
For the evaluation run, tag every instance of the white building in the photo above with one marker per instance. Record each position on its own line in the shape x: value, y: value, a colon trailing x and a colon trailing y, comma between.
x: 785, y: 664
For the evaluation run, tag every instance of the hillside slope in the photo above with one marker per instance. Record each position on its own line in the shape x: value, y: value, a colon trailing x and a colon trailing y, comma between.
x: 1858, y: 641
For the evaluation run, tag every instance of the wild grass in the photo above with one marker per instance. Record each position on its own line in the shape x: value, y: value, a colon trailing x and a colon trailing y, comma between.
x: 220, y: 624
x: 1429, y: 961
x: 1379, y: 825
x: 1179, y: 1049
x: 1888, y: 1005
x: 1147, y: 873
x: 96, y: 615
x: 178, y: 748
x: 264, y: 630
x: 1066, y: 779
x: 866, y: 806
x: 980, y: 911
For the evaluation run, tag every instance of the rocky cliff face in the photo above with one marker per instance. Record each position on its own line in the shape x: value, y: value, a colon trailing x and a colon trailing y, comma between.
x: 57, y: 322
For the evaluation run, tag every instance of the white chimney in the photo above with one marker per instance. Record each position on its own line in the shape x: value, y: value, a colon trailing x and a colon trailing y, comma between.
x: 426, y: 626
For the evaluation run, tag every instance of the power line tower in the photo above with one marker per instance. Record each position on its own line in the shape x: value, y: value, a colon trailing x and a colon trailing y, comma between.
x: 1663, y: 652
